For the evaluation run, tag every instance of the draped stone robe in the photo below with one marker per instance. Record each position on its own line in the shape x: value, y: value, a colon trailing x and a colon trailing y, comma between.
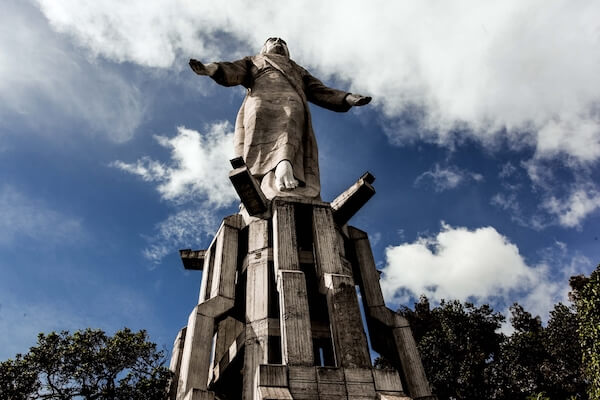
x: 273, y: 123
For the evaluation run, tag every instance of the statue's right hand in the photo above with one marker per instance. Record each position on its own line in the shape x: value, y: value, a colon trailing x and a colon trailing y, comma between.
x: 198, y: 67
x: 201, y: 69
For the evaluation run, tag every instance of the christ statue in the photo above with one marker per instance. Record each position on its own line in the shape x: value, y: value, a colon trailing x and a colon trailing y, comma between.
x: 273, y: 129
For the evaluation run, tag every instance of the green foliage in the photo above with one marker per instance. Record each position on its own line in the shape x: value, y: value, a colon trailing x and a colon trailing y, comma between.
x: 537, y: 360
x: 17, y: 380
x: 466, y: 358
x: 586, y: 293
x: 87, y: 364
x: 456, y: 342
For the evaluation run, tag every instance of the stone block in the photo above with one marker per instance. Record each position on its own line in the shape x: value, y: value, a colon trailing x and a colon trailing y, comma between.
x: 303, y: 382
x: 272, y: 375
x: 359, y: 383
x: 274, y: 393
x: 386, y: 396
x: 197, y: 394
x: 387, y: 380
x: 331, y: 383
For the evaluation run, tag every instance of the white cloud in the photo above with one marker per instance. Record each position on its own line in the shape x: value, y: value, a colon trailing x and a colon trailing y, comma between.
x: 197, y: 177
x: 149, y: 33
x: 24, y: 218
x: 481, y: 265
x: 43, y: 80
x: 572, y: 210
x: 447, y: 178
x: 198, y: 169
x: 494, y: 70
x: 186, y: 229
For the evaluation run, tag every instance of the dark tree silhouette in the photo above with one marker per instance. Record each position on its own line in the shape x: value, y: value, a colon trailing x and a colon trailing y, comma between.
x: 466, y: 357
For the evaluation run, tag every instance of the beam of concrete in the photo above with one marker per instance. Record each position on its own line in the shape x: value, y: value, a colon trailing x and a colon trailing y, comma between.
x: 352, y: 199
x: 192, y: 259
x: 248, y: 188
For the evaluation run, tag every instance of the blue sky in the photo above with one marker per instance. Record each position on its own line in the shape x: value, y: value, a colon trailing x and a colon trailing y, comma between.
x: 484, y: 137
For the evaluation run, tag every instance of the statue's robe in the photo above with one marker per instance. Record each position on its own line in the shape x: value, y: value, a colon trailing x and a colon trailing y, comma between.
x: 274, y: 122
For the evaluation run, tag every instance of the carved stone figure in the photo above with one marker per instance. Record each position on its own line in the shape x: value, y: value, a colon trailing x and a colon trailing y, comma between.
x: 273, y: 130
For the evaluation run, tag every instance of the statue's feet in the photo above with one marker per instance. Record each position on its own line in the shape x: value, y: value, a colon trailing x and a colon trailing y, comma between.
x: 284, y: 176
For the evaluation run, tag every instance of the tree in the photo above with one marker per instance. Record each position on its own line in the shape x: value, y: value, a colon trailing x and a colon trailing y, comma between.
x: 563, y: 370
x: 465, y: 357
x: 517, y: 371
x: 586, y: 294
x: 87, y: 364
x: 457, y: 344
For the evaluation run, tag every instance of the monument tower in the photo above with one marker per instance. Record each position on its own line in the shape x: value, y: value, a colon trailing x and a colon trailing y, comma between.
x: 278, y: 315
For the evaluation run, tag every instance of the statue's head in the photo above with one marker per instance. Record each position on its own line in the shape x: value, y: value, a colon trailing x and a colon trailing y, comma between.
x: 275, y: 46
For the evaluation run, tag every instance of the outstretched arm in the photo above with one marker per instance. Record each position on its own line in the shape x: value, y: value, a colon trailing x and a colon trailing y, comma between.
x: 224, y: 73
x: 332, y: 99
x: 202, y: 69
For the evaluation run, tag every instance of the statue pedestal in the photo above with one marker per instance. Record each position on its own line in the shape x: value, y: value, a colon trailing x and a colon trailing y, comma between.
x: 278, y: 315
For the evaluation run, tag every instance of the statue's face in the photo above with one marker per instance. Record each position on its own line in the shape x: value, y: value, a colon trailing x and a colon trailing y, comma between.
x: 275, y: 46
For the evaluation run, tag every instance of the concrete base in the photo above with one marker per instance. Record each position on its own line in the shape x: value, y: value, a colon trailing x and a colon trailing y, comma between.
x: 197, y: 394
x: 280, y: 288
x: 329, y: 383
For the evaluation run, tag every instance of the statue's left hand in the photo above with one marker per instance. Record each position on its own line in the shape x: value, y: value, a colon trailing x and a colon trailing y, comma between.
x: 357, y: 99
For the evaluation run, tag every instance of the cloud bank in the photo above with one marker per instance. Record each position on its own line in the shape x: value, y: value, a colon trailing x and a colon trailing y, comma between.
x: 506, y: 71
x: 45, y: 83
x: 480, y: 265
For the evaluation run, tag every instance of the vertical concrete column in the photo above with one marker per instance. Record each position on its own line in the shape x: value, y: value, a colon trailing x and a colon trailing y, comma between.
x: 384, y: 322
x: 327, y: 247
x: 257, y: 305
x: 296, y: 333
x: 216, y: 298
x: 226, y: 256
x: 349, y: 337
x: 285, y: 242
x: 220, y: 265
x: 195, y: 362
x: 207, y: 272
x: 222, y: 287
x: 175, y: 364
x: 351, y: 348
x: 369, y: 276
x: 417, y: 384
